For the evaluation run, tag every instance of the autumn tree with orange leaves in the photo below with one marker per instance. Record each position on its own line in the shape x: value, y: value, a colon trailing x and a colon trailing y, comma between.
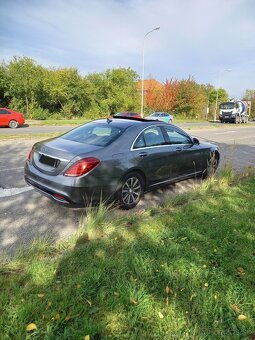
x: 182, y: 97
x: 161, y: 97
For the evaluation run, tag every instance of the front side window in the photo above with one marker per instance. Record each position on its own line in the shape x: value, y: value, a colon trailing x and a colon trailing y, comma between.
x: 176, y: 137
x: 94, y: 134
x: 152, y: 136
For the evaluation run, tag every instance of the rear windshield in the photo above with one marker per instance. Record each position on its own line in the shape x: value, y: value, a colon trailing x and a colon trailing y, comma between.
x: 94, y: 134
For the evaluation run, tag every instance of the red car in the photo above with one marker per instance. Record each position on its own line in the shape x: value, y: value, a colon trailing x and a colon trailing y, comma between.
x: 11, y: 118
x: 128, y: 114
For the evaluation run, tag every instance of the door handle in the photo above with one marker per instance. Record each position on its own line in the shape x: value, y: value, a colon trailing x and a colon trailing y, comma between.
x: 143, y: 154
x: 178, y: 149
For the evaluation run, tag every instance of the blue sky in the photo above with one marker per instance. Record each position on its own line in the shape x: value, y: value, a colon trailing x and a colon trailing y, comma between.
x: 201, y: 38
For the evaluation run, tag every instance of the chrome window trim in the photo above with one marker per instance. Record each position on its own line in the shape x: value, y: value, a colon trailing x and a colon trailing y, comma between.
x: 157, y: 146
x: 183, y: 133
x: 175, y: 178
x: 145, y: 147
x: 154, y: 146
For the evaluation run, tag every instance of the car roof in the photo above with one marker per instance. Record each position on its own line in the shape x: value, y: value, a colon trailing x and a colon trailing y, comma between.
x: 128, y: 121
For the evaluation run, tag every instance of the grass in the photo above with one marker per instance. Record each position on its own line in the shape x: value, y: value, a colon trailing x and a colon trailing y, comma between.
x: 184, y: 270
x: 30, y: 136
x: 57, y: 122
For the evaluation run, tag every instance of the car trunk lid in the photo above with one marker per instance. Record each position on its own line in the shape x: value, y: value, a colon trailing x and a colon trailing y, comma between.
x: 53, y: 156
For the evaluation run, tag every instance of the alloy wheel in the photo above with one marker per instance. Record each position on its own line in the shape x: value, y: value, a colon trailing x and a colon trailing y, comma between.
x: 131, y: 190
x: 13, y: 124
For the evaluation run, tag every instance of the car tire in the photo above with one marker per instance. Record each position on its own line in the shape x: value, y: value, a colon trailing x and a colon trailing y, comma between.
x: 130, y: 191
x: 212, y: 165
x: 170, y: 121
x: 13, y: 124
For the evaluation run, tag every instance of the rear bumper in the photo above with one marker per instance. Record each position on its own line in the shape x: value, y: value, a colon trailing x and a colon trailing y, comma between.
x: 67, y: 191
x: 21, y: 121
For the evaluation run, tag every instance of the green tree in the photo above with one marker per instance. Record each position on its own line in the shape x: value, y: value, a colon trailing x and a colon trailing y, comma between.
x: 115, y: 90
x: 249, y: 95
x: 4, y: 99
x: 211, y: 94
x: 24, y: 82
x: 66, y: 91
x: 191, y: 99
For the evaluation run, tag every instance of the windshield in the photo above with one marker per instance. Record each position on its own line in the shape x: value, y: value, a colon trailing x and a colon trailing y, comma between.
x: 227, y: 106
x: 94, y: 134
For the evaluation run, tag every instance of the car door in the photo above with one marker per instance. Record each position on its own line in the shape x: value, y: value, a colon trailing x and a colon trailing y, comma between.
x: 150, y: 154
x: 164, y: 117
x: 183, y: 154
x: 4, y: 117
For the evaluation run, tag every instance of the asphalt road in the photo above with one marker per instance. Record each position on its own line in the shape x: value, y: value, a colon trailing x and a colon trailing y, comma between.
x: 35, y: 129
x: 25, y: 214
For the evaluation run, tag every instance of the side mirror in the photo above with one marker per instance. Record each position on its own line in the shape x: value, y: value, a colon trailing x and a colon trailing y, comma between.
x: 196, y: 141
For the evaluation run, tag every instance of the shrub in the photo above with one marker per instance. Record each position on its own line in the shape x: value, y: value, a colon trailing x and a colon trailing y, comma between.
x: 39, y: 113
x: 56, y: 116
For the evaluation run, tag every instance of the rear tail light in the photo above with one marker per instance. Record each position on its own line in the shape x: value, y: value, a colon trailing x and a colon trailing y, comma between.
x: 82, y: 167
x: 29, y: 155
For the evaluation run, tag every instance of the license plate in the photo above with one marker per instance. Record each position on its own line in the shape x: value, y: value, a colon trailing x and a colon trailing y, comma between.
x: 226, y: 116
x: 49, y: 161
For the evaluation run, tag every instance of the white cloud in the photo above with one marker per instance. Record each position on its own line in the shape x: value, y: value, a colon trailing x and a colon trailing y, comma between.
x: 197, y: 37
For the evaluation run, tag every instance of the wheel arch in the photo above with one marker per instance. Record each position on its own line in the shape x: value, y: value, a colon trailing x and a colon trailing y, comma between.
x: 13, y: 120
x: 140, y: 172
x: 217, y: 154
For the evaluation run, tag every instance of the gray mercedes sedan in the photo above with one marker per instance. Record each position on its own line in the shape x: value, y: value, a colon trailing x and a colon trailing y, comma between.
x: 116, y: 159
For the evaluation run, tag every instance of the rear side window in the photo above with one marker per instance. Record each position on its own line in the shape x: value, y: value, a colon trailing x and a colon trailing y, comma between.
x: 139, y: 143
x: 94, y: 134
x: 4, y: 112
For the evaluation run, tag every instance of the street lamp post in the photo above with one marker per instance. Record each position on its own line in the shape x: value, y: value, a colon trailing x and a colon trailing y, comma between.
x: 217, y: 93
x: 142, y: 99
